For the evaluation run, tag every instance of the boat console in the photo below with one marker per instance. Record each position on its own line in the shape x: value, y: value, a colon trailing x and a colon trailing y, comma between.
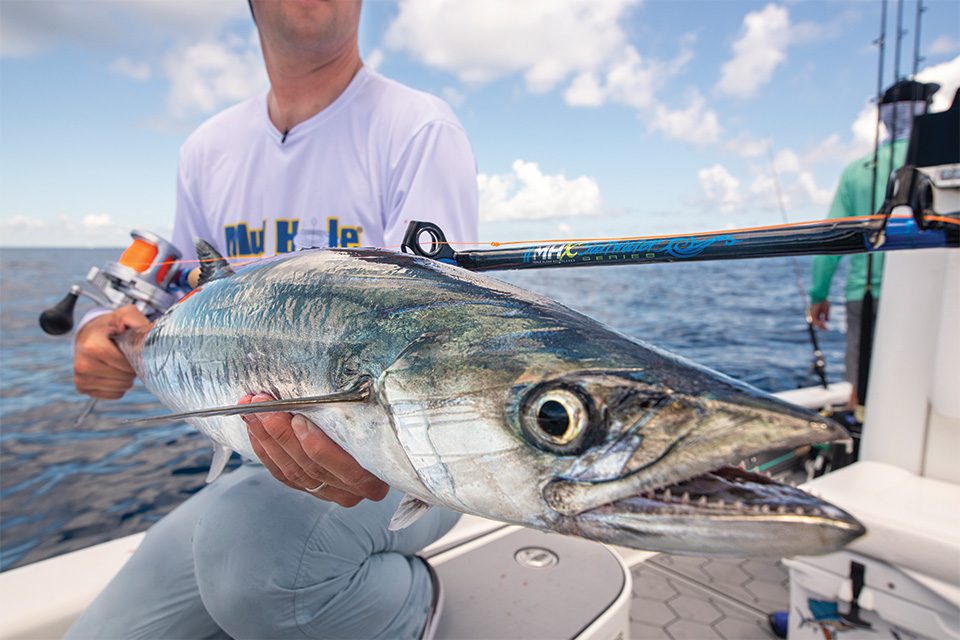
x: 902, y: 579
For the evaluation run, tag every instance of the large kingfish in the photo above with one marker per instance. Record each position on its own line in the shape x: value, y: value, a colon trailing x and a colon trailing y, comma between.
x: 465, y: 391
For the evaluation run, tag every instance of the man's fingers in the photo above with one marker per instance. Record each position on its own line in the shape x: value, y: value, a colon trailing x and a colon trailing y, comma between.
x: 87, y: 384
x: 302, y: 456
x: 281, y: 427
x: 820, y: 314
x: 266, y: 460
x: 285, y: 465
x: 317, y: 445
x: 85, y: 367
x: 130, y: 317
x: 100, y: 394
x: 329, y: 492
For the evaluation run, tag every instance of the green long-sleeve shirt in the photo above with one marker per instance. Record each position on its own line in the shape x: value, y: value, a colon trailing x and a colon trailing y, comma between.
x: 853, y: 199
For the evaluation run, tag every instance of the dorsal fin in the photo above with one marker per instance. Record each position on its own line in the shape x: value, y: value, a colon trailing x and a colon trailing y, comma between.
x: 213, y: 266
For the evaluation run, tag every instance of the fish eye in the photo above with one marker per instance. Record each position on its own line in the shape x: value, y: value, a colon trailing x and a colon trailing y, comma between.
x: 556, y: 420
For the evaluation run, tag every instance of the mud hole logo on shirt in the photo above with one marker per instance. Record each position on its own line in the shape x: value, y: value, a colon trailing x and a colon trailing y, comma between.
x: 244, y: 240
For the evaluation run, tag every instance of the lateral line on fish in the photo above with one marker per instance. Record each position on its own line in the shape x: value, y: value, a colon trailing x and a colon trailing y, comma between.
x: 360, y: 392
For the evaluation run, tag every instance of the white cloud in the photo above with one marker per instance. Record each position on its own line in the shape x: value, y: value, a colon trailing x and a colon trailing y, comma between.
x: 186, y: 42
x: 757, y: 52
x: 628, y: 78
x: 29, y: 27
x: 375, y: 59
x: 746, y: 145
x: 696, y: 124
x: 545, y: 40
x: 527, y: 193
x: 208, y: 76
x: 719, y: 189
x: 944, y: 45
x: 947, y: 75
x: 864, y: 127
x: 453, y: 96
x: 20, y: 222
x: 585, y: 51
x: 94, y: 229
x: 134, y: 70
x: 798, y: 186
x: 95, y: 221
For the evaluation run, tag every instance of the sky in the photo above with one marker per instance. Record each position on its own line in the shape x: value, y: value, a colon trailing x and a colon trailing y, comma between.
x: 587, y: 117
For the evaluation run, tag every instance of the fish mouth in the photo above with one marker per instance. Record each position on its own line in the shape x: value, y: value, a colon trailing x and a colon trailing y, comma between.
x: 734, y: 492
x: 726, y: 511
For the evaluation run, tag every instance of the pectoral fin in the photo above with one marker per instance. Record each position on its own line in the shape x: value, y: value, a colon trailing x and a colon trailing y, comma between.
x: 221, y: 455
x: 408, y: 511
x: 360, y: 392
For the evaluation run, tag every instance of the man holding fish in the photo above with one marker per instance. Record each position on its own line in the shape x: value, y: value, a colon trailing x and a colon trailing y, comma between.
x: 333, y: 155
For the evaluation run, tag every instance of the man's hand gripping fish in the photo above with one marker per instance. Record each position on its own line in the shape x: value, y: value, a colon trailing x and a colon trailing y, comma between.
x: 467, y: 392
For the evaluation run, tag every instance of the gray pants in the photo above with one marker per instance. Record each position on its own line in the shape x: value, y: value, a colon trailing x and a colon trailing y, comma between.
x: 248, y: 557
x: 851, y: 359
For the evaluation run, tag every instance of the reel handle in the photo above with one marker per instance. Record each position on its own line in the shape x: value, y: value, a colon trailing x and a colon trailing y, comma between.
x: 58, y: 319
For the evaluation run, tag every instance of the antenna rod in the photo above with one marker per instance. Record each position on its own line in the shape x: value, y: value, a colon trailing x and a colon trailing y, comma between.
x: 876, y: 134
x: 866, y: 317
x: 917, y: 58
x: 896, y: 48
x: 897, y: 97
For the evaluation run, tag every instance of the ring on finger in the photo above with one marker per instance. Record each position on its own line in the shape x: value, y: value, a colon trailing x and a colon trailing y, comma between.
x: 317, y: 488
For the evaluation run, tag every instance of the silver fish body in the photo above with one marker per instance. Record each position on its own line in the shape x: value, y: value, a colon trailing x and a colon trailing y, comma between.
x: 491, y: 400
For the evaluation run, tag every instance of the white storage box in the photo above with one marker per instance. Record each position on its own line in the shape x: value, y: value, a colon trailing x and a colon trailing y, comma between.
x: 828, y: 601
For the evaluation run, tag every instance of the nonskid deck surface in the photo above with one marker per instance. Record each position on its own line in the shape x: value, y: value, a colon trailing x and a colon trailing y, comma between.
x: 679, y: 597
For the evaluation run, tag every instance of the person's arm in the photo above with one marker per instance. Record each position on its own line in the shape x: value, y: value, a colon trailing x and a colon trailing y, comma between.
x: 823, y: 268
x: 435, y: 179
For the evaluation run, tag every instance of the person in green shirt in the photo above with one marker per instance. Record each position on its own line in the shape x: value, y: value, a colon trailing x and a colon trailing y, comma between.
x: 853, y: 198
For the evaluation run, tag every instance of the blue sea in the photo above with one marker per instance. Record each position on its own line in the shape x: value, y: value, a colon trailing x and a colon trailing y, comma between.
x: 64, y: 487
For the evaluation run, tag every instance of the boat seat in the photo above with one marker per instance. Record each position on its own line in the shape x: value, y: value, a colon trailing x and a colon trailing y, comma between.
x: 912, y: 521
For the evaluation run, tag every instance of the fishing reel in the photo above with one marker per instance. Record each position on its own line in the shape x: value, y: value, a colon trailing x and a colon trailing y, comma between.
x: 144, y: 276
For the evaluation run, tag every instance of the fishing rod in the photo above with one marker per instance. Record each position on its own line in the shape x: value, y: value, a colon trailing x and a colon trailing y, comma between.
x: 867, y: 305
x: 835, y: 236
x: 916, y: 38
x: 819, y: 360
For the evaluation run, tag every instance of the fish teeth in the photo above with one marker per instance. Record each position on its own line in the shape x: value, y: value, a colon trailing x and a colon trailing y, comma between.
x: 685, y: 498
x: 667, y: 494
x: 738, y: 504
x: 764, y: 508
x: 798, y: 511
x: 782, y: 509
x: 702, y: 501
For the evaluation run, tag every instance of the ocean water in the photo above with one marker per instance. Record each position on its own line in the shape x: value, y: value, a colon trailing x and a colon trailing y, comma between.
x: 64, y: 487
